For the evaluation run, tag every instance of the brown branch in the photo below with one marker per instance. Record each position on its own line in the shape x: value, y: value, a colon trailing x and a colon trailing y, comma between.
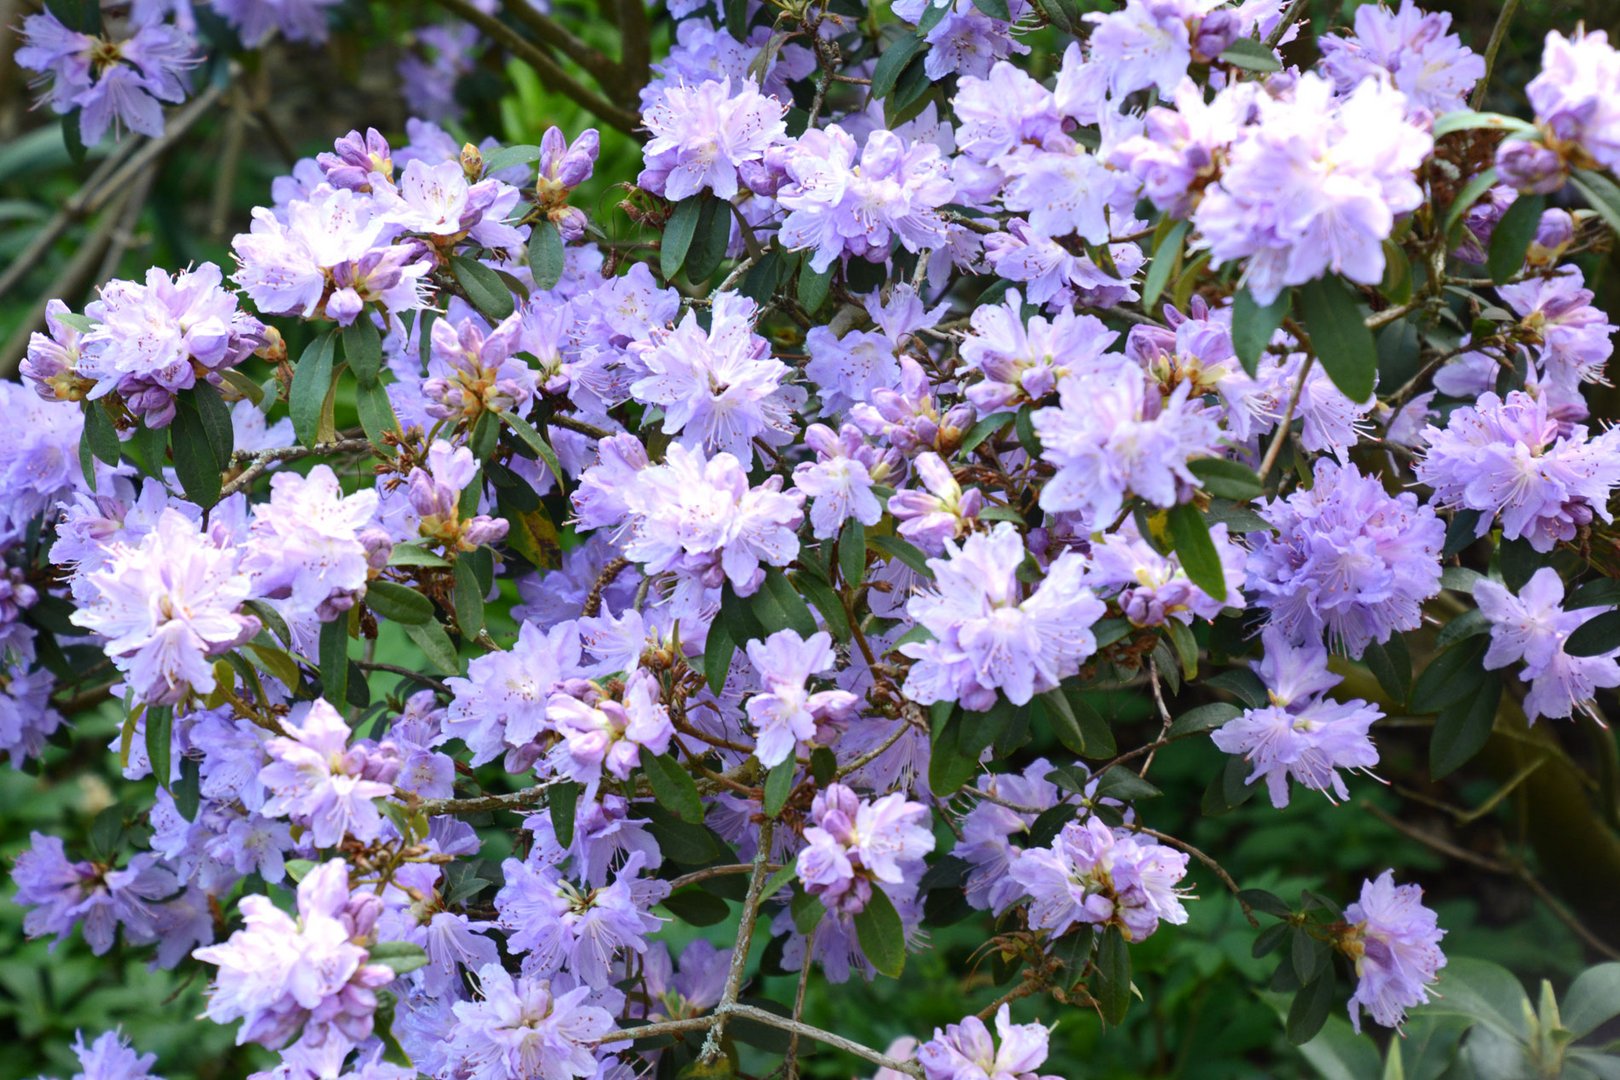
x: 261, y: 461
x: 602, y: 69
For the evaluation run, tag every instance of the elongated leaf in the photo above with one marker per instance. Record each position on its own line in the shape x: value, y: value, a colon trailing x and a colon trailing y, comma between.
x: 678, y: 233
x: 377, y: 415
x: 893, y: 60
x: 882, y: 935
x: 1196, y: 550
x: 1343, y: 345
x: 469, y: 599
x: 905, y: 551
x: 813, y: 286
x: 311, y: 380
x: 398, y: 603
x: 436, y: 646
x: 562, y: 798
x: 160, y: 741
x: 1602, y: 194
x: 778, y: 605
x: 536, y: 442
x: 1204, y: 718
x: 1251, y: 55
x: 194, y: 461
x: 507, y: 156
x: 1113, y: 976
x: 335, y: 660
x: 1462, y: 729
x: 1227, y: 479
x: 100, y: 432
x: 710, y: 240
x: 1310, y: 1008
x: 1511, y: 237
x: 673, y: 787
x: 401, y: 957
x: 852, y: 552
x: 1391, y: 665
x: 1469, y: 194
x: 718, y: 649
x: 1595, y: 636
x: 778, y: 786
x: 546, y: 254
x: 1165, y: 257
x: 483, y: 286
x: 1450, y: 677
x: 362, y: 348
x: 1468, y: 120
x: 1253, y: 325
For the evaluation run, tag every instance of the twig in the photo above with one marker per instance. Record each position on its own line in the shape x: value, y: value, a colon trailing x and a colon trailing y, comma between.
x: 1164, y: 715
x: 517, y: 800
x: 1220, y: 871
x: 569, y: 423
x: 593, y: 600
x: 395, y: 669
x: 1287, y: 421
x: 262, y: 460
x: 603, y: 70
x: 1498, y: 34
x: 1284, y: 23
x: 745, y: 940
x: 791, y: 1066
x: 713, y: 872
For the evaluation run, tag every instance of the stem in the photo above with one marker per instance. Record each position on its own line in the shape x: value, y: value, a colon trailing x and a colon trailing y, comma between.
x: 603, y: 70
x: 1287, y: 419
x: 265, y: 458
x: 1220, y: 871
x: 745, y: 940
x: 1498, y: 34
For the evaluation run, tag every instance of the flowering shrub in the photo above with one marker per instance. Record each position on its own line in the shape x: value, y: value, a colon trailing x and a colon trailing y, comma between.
x: 735, y: 570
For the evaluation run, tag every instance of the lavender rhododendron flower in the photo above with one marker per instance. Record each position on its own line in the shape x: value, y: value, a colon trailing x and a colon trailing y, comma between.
x: 1095, y: 875
x: 522, y: 1027
x: 1394, y: 942
x: 967, y: 1051
x: 1432, y: 67
x: 702, y: 134
x: 786, y: 713
x: 1532, y: 627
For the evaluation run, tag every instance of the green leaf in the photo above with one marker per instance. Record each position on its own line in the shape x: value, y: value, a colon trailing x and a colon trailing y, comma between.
x: 546, y: 254
x: 1165, y: 257
x: 400, y: 957
x: 678, y: 233
x: 1450, y: 677
x: 535, y: 441
x: 398, y: 603
x: 334, y: 656
x: 695, y: 907
x: 194, y: 460
x: 709, y: 241
x: 100, y: 433
x: 1190, y: 534
x: 415, y: 555
x: 1227, y: 479
x: 996, y: 9
x: 362, y: 348
x: 298, y: 869
x: 813, y: 286
x: 1468, y: 120
x: 160, y: 741
x: 1511, y: 237
x: 483, y: 286
x: 1469, y: 194
x: 779, y: 606
x: 718, y: 649
x: 436, y: 646
x: 1462, y: 728
x: 562, y: 797
x: 1602, y: 194
x: 469, y: 599
x: 903, y: 550
x: 892, y: 61
x: 1342, y: 343
x: 1204, y: 718
x: 779, y: 785
x: 1595, y: 636
x: 852, y: 552
x: 1253, y: 325
x: 673, y: 787
x: 311, y: 380
x: 1310, y: 1008
x: 188, y: 789
x: 949, y: 767
x: 1593, y: 999
x: 1250, y: 55
x: 377, y: 414
x: 507, y: 156
x: 1391, y: 665
x: 882, y: 935
x: 1113, y: 969
x: 1126, y: 786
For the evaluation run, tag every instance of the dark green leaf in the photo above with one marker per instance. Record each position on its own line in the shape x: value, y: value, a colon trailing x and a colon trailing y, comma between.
x: 362, y: 348
x: 695, y: 907
x: 1250, y: 55
x: 1227, y: 479
x: 813, y: 286
x: 1310, y: 1008
x: 400, y: 957
x: 1339, y: 337
x: 1265, y: 902
x: 1462, y: 729
x: 1391, y: 665
x: 415, y: 555
x: 892, y: 61
x: 1204, y: 718
x: 903, y: 550
x: 678, y: 233
x: 188, y: 789
x: 1165, y: 258
x: 1307, y: 955
x: 483, y: 286
x: 1196, y: 551
x: 673, y: 787
x: 505, y: 157
x: 546, y: 254
x: 1511, y: 237
x: 1605, y: 592
x: 562, y: 798
x: 852, y: 552
x: 1450, y: 677
x: 718, y: 650
x: 1124, y: 785
x: 1518, y: 562
x: 996, y: 9
x: 334, y: 650
x: 882, y: 935
x: 469, y: 598
x: 160, y: 741
x: 1113, y: 983
x: 100, y: 432
x: 949, y: 767
x: 710, y: 240
x: 1595, y: 636
x: 376, y: 413
x: 535, y: 441
x: 779, y: 785
x: 436, y: 646
x: 311, y: 380
x: 1269, y: 939
x: 194, y: 461
x: 1601, y: 194
x: 778, y: 606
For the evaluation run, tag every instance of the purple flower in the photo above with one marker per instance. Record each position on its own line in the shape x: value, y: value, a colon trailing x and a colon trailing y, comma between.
x: 942, y: 512
x: 603, y: 735
x: 62, y: 895
x: 1180, y: 149
x: 909, y: 417
x: 856, y: 845
x: 559, y: 925
x: 52, y: 359
x: 309, y: 547
x: 1003, y: 111
x: 1024, y: 362
x: 26, y: 716
x: 701, y: 134
x: 987, y: 635
x: 1301, y: 735
x: 966, y: 40
x: 471, y: 370
x: 435, y: 495
x: 1347, y: 560
x: 111, y: 1057
x: 1577, y: 95
x: 1314, y: 185
x: 693, y: 987
x: 1394, y: 942
x: 322, y: 783
x: 151, y: 341
x: 1513, y: 459
x: 720, y: 388
x: 255, y: 21
x: 839, y: 482
x: 279, y: 975
x: 501, y: 705
x: 856, y: 201
x: 112, y: 83
x: 1153, y: 588
x: 1113, y: 435
x: 354, y: 158
x: 166, y: 606
x: 1532, y: 627
x: 1095, y: 875
x: 989, y: 829
x: 966, y: 1051
x: 1570, y: 339
x: 787, y: 712
x: 519, y: 1028
x: 1432, y: 67
x: 700, y: 516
